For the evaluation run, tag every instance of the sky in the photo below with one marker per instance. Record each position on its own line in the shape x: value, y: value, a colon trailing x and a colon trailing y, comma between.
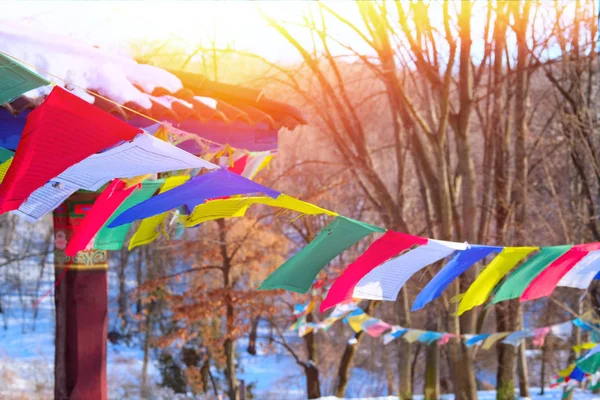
x: 115, y: 24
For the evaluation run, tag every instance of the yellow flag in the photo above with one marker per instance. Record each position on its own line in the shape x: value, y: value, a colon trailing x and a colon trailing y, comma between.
x: 412, y: 335
x: 479, y: 291
x: 237, y: 207
x: 493, y: 338
x: 567, y: 371
x: 262, y: 165
x: 585, y: 346
x: 147, y: 232
x: 4, y: 168
x: 356, y: 321
x: 216, y: 209
x: 129, y: 182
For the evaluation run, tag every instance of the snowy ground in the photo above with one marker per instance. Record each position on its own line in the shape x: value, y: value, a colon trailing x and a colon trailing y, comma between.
x: 551, y: 394
x: 27, y: 354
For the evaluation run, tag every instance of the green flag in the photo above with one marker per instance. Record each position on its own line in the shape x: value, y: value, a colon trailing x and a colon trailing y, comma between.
x: 518, y: 281
x: 113, y: 238
x: 15, y: 79
x: 589, y: 364
x: 298, y: 273
x: 5, y: 154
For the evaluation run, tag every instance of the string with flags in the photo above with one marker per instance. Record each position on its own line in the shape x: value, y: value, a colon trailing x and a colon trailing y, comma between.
x: 68, y: 144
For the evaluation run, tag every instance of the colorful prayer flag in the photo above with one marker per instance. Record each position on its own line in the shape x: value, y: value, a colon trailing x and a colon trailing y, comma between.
x: 481, y: 288
x: 389, y: 245
x: 516, y: 283
x: 298, y: 273
x: 15, y: 79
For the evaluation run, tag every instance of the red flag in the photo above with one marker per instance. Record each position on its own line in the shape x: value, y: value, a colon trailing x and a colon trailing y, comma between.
x: 61, y: 132
x: 109, y: 200
x: 545, y: 283
x: 389, y: 245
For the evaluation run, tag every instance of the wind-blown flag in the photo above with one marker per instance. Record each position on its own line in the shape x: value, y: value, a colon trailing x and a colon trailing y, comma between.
x: 583, y: 273
x: 492, y: 339
x: 389, y: 245
x: 539, y: 336
x: 396, y: 332
x: 61, y: 132
x: 481, y: 288
x: 148, y: 230
x: 356, y: 319
x: 514, y: 339
x: 429, y: 337
x: 590, y: 362
x: 516, y: 283
x: 113, y: 238
x: 462, y: 261
x: 545, y: 283
x: 106, y: 204
x: 385, y: 281
x: 477, y: 339
x: 217, y: 183
x: 298, y: 273
x: 16, y: 80
x: 375, y: 327
x: 237, y: 207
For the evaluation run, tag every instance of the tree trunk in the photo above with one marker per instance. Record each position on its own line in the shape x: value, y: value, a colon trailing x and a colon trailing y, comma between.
x: 346, y: 364
x: 313, y: 387
x: 522, y: 362
x: 229, y: 344
x: 521, y: 17
x: 432, y: 367
x: 252, y: 338
x: 431, y: 388
x: 230, y: 375
x: 507, y: 354
x: 122, y: 296
x: 543, y: 369
x: 405, y: 391
x: 144, y: 390
x: 311, y: 369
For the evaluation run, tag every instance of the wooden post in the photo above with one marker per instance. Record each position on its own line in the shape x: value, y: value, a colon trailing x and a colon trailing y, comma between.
x: 81, y: 301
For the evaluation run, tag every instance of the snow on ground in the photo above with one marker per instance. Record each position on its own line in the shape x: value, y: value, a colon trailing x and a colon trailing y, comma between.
x: 550, y: 394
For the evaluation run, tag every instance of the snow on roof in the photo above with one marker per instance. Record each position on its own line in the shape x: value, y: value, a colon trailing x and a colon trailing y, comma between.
x: 83, y: 66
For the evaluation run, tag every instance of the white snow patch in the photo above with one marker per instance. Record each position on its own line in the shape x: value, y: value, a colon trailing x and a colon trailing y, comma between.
x: 83, y: 67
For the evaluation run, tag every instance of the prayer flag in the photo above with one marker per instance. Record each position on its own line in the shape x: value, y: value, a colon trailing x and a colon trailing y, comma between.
x: 481, y: 288
x: 385, y: 281
x: 113, y: 238
x: 106, y: 204
x: 196, y: 191
x: 539, y: 336
x: 389, y: 245
x: 514, y: 339
x: 583, y: 273
x: 61, y: 132
x: 375, y: 327
x: 459, y: 264
x: 412, y: 335
x: 430, y: 337
x: 545, y: 283
x: 492, y: 339
x: 15, y: 79
x: 298, y: 273
x: 148, y: 230
x: 477, y: 339
x: 516, y: 283
x: 396, y: 332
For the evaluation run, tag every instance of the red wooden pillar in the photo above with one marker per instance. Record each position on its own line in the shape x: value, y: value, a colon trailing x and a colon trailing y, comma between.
x: 81, y: 310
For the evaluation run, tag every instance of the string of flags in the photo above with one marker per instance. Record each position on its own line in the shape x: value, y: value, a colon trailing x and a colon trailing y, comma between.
x: 69, y: 144
x: 359, y: 321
